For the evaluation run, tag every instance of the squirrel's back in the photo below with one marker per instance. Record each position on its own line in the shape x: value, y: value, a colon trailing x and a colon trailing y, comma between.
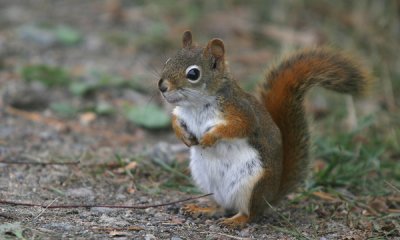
x: 283, y: 91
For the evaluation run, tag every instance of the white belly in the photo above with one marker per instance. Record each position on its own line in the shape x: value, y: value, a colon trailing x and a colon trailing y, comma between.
x: 229, y: 170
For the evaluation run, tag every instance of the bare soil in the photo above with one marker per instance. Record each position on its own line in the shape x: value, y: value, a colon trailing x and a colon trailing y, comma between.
x: 94, y: 152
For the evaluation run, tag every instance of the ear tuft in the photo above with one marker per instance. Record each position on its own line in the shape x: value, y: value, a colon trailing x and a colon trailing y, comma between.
x: 187, y: 39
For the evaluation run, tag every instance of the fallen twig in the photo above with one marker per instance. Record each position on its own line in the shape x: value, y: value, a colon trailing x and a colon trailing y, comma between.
x: 99, y: 205
x: 39, y: 163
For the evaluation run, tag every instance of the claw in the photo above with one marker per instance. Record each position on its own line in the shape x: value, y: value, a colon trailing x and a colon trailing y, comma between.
x: 237, y: 221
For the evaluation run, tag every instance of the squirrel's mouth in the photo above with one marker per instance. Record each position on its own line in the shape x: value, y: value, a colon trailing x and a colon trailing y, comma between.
x: 172, y: 98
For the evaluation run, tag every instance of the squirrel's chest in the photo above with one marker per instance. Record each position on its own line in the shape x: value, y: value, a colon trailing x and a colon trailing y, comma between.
x: 199, y: 119
x: 229, y: 169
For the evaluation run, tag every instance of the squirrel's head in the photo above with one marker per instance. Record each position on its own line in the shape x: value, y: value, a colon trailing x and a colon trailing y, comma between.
x: 194, y: 73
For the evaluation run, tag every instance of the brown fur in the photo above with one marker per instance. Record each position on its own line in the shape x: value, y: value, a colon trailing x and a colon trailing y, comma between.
x: 236, y: 125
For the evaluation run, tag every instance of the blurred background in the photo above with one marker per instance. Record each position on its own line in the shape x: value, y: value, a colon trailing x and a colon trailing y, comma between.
x: 86, y: 46
x: 78, y: 83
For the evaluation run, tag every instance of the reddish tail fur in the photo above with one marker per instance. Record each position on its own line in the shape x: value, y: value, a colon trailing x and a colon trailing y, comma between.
x: 283, y: 92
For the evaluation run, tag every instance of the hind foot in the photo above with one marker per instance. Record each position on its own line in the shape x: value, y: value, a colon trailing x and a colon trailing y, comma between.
x: 237, y: 221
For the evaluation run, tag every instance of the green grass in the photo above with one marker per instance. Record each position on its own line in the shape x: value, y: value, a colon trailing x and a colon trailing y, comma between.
x: 49, y: 76
x: 355, y: 160
x: 177, y: 179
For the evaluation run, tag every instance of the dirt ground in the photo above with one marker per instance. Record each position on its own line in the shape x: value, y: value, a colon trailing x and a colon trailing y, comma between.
x: 78, y: 154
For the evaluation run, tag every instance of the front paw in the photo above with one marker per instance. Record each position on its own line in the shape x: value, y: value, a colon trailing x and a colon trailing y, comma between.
x: 196, y: 211
x: 187, y: 137
x: 190, y: 140
x: 208, y: 140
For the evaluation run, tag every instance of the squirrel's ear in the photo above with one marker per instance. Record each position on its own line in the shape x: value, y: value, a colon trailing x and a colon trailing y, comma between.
x: 187, y: 39
x: 216, y: 48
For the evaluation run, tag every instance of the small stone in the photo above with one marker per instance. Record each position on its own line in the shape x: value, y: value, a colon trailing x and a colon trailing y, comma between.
x: 120, y: 197
x: 150, y: 211
x: 159, y: 215
x: 59, y: 226
x: 214, y: 228
x: 245, y: 232
x: 176, y: 238
x: 149, y: 236
x: 209, y: 222
x: 81, y: 193
x: 113, y: 221
x: 101, y: 210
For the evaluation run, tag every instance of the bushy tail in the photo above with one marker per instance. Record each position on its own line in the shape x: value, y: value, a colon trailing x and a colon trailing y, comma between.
x: 283, y: 92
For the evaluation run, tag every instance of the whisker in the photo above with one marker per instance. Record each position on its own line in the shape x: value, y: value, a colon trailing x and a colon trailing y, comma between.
x: 151, y: 97
x: 198, y: 97
x: 194, y: 94
x: 155, y: 71
x: 150, y: 67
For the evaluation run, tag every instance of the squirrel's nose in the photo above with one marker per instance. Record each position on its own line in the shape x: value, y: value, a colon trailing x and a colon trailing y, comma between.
x: 162, y: 86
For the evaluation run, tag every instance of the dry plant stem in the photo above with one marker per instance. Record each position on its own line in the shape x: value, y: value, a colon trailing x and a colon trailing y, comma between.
x: 40, y: 214
x: 4, y: 202
x: 351, y: 113
x: 392, y: 186
x: 388, y: 89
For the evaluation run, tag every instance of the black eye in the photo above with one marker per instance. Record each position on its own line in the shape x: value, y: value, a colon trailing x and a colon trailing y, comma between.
x: 193, y: 73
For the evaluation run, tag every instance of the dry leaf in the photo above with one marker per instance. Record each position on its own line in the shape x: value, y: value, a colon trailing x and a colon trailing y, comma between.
x: 87, y: 118
x: 325, y: 196
x: 130, y: 166
x: 131, y: 190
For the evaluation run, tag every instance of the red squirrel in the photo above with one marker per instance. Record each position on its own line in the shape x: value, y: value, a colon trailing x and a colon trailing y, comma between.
x: 244, y: 149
